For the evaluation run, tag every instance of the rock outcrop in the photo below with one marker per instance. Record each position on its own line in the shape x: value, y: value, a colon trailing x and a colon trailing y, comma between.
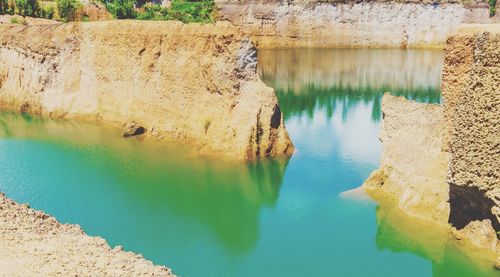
x: 183, y: 82
x: 471, y: 95
x: 33, y: 243
x: 413, y: 167
x: 299, y: 23
x: 442, y: 163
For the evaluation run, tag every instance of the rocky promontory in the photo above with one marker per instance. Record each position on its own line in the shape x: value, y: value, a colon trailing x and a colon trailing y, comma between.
x: 33, y: 243
x: 190, y: 83
x: 440, y: 163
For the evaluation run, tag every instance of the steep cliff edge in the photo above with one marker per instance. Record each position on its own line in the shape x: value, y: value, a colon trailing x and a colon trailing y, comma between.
x: 471, y: 96
x: 413, y: 167
x: 299, y: 23
x: 190, y: 83
x: 441, y: 163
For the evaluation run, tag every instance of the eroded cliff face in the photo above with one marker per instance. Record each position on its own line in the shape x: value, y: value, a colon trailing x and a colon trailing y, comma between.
x: 189, y: 83
x: 413, y: 167
x: 471, y: 95
x: 298, y: 23
x: 441, y: 163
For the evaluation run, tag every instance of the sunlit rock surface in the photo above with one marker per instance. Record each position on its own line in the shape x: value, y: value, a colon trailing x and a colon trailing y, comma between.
x: 293, y: 23
x: 441, y: 163
x: 193, y: 83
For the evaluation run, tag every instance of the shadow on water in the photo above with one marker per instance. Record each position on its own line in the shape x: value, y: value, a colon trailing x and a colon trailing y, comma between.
x: 226, y: 197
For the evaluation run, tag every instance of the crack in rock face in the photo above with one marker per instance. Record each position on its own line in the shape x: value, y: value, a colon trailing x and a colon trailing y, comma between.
x: 246, y: 64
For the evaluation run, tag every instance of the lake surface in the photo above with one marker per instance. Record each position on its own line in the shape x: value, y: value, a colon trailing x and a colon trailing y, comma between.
x: 202, y: 217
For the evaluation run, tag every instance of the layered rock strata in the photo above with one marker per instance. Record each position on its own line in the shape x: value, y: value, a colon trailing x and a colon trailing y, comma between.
x: 185, y: 82
x: 301, y: 23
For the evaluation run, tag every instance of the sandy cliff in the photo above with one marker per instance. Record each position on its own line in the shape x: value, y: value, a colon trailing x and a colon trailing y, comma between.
x: 190, y: 83
x: 413, y: 167
x: 471, y: 95
x: 441, y: 163
x: 280, y: 23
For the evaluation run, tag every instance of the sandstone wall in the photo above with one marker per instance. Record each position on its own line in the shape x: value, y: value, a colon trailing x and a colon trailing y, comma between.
x: 189, y: 83
x: 413, y: 167
x: 412, y: 178
x: 298, y: 23
x: 442, y: 163
x: 471, y: 95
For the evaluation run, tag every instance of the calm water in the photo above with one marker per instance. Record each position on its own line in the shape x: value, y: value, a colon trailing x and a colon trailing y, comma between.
x: 276, y: 218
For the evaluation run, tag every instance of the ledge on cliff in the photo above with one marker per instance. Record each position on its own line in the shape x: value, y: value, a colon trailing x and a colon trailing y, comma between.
x: 191, y: 83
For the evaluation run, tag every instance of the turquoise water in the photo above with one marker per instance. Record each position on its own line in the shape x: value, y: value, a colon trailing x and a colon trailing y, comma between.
x: 275, y: 218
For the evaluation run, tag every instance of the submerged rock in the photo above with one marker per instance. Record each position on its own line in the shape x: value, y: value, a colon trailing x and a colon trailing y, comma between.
x: 480, y: 234
x: 133, y: 129
x: 192, y: 83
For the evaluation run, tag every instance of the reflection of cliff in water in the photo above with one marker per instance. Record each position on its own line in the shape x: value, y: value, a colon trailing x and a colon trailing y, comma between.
x: 169, y: 181
x: 307, y: 79
x: 398, y: 232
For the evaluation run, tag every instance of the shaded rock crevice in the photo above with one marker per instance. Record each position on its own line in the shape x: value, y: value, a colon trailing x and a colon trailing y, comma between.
x: 468, y: 204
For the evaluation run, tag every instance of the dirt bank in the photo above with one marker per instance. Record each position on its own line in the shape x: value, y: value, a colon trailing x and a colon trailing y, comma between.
x: 190, y: 83
x: 299, y: 23
x: 33, y: 243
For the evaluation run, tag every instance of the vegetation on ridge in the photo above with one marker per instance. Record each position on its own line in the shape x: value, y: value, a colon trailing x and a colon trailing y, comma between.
x: 182, y: 10
x: 203, y: 11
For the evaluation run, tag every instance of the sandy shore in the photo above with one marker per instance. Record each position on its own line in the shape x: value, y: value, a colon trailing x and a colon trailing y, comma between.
x: 33, y: 243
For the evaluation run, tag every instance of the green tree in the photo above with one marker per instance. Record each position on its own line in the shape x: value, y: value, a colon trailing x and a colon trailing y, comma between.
x: 493, y: 4
x: 67, y: 8
x: 121, y: 9
x: 4, y: 6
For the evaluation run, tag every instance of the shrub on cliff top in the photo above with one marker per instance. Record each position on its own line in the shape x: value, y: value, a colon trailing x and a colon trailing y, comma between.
x: 493, y: 4
x: 183, y: 10
x: 28, y: 7
x: 67, y: 8
x: 121, y: 9
x: 193, y: 11
x: 47, y: 11
x: 4, y: 6
x: 153, y: 12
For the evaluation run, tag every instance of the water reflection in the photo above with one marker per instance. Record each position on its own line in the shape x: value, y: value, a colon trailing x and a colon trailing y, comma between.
x: 162, y: 179
x: 401, y: 233
x: 329, y: 79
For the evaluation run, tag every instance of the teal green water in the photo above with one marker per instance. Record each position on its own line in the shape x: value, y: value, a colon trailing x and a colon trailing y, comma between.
x: 203, y: 217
